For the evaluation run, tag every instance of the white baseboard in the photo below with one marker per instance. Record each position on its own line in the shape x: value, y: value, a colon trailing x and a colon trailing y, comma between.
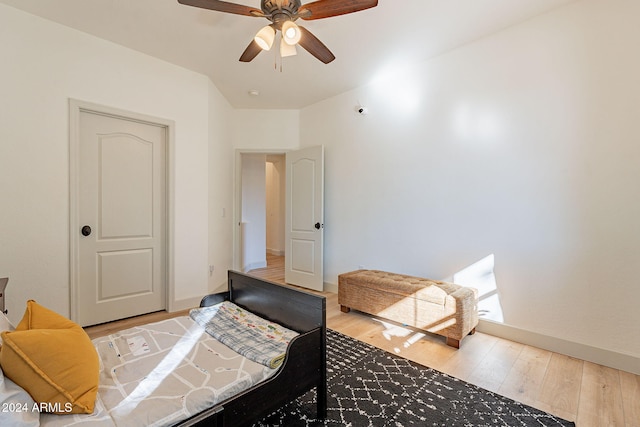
x: 184, y: 304
x: 254, y: 265
x: 597, y: 355
x: 220, y: 288
x: 330, y: 287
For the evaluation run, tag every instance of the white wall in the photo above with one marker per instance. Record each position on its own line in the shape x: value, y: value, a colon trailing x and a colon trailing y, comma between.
x: 220, y: 190
x: 265, y: 129
x: 275, y: 205
x: 44, y: 65
x: 254, y: 214
x: 523, y: 145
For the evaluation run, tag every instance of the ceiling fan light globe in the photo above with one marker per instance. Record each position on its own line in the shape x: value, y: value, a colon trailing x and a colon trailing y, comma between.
x: 291, y: 33
x: 264, y: 38
x: 287, y: 49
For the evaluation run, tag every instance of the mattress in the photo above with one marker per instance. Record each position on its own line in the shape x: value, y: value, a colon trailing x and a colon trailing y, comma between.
x: 160, y: 373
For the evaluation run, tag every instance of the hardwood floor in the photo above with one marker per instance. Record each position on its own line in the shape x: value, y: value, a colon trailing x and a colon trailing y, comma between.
x: 589, y: 394
x: 118, y: 325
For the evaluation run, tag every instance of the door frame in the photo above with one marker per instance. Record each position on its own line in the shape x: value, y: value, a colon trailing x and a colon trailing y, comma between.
x: 75, y: 108
x: 237, y: 202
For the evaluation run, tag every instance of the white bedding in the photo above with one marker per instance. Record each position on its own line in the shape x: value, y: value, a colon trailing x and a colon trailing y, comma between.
x: 165, y: 372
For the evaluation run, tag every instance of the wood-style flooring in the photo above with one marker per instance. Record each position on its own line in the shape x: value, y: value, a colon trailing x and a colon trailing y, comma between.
x: 591, y: 395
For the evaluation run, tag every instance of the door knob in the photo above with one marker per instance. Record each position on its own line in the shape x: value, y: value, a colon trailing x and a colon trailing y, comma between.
x: 317, y: 226
x: 86, y: 230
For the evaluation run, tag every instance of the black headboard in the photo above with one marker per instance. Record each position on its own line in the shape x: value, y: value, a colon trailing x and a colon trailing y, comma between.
x: 296, y: 309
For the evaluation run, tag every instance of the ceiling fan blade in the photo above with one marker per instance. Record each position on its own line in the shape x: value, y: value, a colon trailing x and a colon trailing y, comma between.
x: 314, y: 46
x: 327, y: 8
x: 223, y: 6
x: 250, y: 52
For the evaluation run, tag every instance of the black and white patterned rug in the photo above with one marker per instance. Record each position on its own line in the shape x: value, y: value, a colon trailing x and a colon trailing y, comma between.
x: 371, y: 387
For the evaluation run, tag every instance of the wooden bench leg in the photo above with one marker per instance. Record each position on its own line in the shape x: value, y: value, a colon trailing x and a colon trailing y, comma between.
x: 451, y: 342
x: 456, y: 343
x: 344, y: 309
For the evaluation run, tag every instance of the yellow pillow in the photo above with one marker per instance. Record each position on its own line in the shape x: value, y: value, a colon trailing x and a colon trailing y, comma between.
x: 53, y: 359
x: 39, y: 317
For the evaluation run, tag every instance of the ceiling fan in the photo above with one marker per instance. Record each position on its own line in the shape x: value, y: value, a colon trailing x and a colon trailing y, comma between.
x: 283, y: 14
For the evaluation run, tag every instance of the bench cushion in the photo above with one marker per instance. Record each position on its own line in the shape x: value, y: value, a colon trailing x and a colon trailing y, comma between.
x: 408, y: 286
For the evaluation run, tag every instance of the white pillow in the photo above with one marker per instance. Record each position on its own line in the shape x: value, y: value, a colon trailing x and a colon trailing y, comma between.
x: 5, y: 325
x: 17, y: 408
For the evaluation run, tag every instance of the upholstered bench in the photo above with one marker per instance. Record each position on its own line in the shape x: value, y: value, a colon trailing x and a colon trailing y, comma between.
x: 439, y: 307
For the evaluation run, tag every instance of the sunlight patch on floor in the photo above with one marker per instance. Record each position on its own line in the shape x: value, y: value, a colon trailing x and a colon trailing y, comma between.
x: 392, y: 330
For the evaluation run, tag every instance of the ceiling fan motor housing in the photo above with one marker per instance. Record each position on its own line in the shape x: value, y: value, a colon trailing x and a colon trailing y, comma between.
x: 280, y: 11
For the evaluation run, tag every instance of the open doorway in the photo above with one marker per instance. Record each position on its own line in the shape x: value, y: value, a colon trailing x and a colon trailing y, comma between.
x: 261, y: 194
x: 301, y: 174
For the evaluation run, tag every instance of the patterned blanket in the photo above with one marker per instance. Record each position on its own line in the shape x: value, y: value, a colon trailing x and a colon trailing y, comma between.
x: 253, y: 337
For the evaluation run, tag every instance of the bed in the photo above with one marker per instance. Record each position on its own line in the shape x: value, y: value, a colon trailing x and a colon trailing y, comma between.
x: 302, y: 368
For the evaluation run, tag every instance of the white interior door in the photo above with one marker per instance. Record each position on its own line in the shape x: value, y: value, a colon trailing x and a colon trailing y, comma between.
x: 304, y: 219
x: 121, y: 218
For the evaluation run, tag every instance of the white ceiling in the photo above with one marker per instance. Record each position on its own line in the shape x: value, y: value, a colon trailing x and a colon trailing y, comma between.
x: 364, y: 43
